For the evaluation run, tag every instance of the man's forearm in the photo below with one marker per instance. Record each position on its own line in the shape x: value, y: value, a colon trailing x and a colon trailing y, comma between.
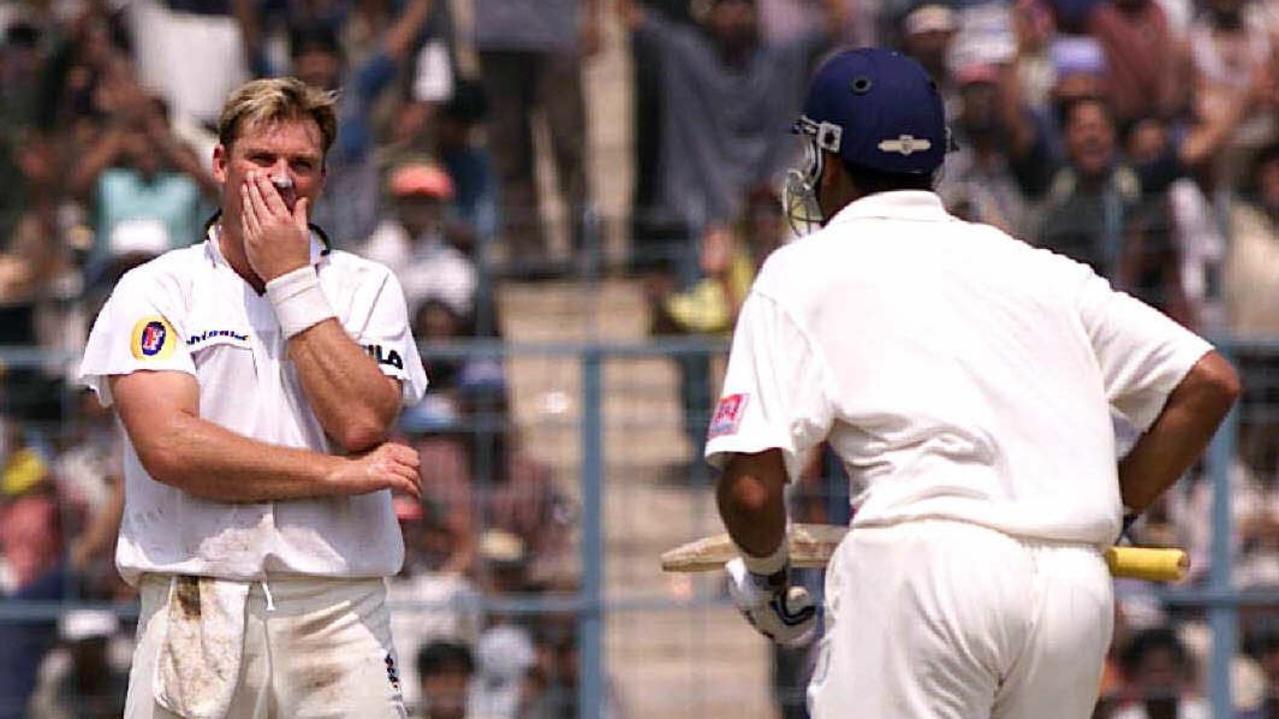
x: 355, y: 402
x: 1180, y: 433
x: 750, y: 494
x: 209, y: 461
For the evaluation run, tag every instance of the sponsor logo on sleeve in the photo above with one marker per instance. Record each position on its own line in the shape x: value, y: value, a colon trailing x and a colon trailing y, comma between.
x: 152, y: 338
x: 728, y: 415
x: 210, y: 335
x: 384, y: 356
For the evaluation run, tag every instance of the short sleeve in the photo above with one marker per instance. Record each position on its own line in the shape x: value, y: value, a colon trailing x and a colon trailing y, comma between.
x: 384, y: 333
x: 1143, y: 355
x: 774, y: 390
x: 133, y: 332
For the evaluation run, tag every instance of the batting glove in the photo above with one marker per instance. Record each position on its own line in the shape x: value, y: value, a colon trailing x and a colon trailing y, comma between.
x: 779, y: 611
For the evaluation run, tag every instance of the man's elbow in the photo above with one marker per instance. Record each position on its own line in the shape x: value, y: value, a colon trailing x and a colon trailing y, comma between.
x: 362, y: 434
x: 163, y: 462
x: 1218, y: 383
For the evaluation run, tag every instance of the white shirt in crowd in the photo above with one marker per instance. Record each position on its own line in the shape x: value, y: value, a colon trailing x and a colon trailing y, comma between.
x: 427, y: 268
x: 958, y: 372
x: 188, y: 311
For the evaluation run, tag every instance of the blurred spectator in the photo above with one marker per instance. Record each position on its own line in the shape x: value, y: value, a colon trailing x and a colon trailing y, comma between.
x: 446, y: 670
x: 415, y: 243
x: 21, y: 63
x: 467, y: 162
x: 1095, y: 212
x: 144, y: 184
x: 1251, y: 281
x: 1145, y: 65
x: 783, y: 21
x: 348, y: 211
x: 1159, y: 676
x: 980, y: 172
x: 504, y: 654
x: 82, y: 679
x: 1233, y: 54
x: 927, y: 32
x: 206, y: 36
x: 531, y: 56
x: 435, y: 602
x: 655, y: 233
x: 725, y: 93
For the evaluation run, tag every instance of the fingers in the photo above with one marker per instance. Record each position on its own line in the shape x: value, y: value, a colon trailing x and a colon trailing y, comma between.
x: 271, y: 199
x: 300, y: 216
x: 257, y: 200
x: 248, y: 215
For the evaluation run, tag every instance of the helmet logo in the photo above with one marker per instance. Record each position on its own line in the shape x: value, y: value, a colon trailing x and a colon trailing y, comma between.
x: 906, y: 145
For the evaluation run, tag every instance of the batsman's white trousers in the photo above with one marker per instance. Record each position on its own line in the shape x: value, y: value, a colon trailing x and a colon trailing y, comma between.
x: 312, y: 647
x: 937, y: 619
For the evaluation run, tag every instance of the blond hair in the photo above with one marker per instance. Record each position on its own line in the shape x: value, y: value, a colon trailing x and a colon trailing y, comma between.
x: 277, y: 99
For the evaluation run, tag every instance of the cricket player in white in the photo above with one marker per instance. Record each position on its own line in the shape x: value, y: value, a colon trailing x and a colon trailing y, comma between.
x: 256, y: 375
x: 967, y: 381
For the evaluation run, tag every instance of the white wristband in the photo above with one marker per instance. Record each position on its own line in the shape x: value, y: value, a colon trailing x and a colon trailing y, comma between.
x: 298, y: 300
x: 772, y: 564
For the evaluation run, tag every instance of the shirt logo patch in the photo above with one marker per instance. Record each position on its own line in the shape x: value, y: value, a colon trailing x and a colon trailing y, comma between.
x: 728, y: 415
x: 152, y: 338
x: 386, y: 357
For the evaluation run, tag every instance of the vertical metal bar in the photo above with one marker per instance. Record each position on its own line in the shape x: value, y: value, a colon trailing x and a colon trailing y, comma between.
x: 1223, y: 619
x: 590, y: 622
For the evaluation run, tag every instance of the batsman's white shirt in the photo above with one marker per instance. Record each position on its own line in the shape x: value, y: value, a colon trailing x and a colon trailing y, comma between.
x: 188, y: 311
x: 958, y: 372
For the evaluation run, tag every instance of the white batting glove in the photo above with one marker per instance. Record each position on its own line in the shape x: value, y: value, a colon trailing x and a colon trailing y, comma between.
x: 779, y: 611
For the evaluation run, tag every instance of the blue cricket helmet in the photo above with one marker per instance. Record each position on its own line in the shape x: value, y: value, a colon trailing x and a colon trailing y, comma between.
x: 877, y: 109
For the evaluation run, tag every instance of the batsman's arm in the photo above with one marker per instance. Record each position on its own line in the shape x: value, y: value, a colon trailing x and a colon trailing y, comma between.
x: 160, y: 412
x: 1180, y: 432
x: 750, y: 494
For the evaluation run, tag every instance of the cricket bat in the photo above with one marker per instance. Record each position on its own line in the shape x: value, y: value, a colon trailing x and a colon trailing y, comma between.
x: 811, y: 545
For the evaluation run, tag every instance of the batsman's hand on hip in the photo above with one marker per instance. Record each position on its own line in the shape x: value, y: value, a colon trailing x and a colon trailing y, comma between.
x: 778, y: 610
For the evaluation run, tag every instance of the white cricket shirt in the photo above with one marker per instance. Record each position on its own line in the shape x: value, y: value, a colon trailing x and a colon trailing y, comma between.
x: 188, y: 311
x: 958, y: 372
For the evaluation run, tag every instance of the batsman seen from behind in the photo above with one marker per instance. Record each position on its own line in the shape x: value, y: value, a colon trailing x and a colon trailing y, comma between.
x: 967, y: 380
x: 256, y: 374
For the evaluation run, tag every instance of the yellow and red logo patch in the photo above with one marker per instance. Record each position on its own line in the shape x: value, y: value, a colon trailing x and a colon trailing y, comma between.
x: 152, y: 338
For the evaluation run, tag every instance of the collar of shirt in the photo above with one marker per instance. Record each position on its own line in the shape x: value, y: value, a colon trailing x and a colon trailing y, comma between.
x: 214, y: 251
x: 912, y: 205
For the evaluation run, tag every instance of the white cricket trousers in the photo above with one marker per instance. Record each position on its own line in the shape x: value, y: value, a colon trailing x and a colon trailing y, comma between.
x: 937, y: 619
x: 312, y: 647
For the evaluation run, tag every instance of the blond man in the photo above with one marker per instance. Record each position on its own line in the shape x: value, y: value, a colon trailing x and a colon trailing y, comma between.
x: 256, y: 374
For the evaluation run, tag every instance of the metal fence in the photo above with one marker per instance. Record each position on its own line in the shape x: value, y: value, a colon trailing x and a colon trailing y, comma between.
x: 614, y: 430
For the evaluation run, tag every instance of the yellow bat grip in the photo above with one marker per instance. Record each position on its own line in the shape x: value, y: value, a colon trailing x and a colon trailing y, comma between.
x: 1150, y: 564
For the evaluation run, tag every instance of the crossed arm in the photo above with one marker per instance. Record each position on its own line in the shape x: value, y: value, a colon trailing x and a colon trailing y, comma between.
x: 160, y: 412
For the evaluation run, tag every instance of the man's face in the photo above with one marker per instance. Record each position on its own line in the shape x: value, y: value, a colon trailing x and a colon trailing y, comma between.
x: 734, y: 22
x: 445, y: 694
x: 418, y: 213
x: 287, y: 148
x: 1268, y: 189
x: 141, y: 155
x: 979, y: 113
x: 1090, y: 139
x: 930, y: 48
x: 319, y: 68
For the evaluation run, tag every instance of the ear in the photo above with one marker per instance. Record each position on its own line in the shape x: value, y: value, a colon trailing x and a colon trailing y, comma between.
x: 832, y: 173
x: 221, y: 157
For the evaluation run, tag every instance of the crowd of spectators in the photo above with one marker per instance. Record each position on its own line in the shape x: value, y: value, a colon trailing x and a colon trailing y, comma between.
x: 1138, y: 136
